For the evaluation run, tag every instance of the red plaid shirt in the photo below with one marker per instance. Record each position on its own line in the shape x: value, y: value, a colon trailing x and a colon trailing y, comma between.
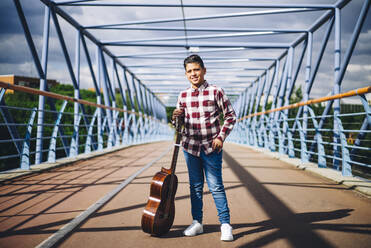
x: 202, y: 108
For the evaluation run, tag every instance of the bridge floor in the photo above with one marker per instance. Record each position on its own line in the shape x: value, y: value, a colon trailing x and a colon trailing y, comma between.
x: 272, y: 204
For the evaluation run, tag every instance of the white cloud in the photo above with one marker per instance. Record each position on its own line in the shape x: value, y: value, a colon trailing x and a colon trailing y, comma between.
x: 355, y: 68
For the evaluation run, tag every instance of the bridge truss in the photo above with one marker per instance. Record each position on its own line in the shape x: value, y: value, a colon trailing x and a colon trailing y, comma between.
x: 257, y: 52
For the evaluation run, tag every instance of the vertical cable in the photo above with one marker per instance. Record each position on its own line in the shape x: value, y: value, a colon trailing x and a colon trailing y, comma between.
x: 185, y: 27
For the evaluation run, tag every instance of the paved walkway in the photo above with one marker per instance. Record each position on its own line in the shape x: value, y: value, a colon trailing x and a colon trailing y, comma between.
x: 272, y: 204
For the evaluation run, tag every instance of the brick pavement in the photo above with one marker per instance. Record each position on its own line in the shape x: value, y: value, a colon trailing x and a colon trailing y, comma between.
x: 272, y: 204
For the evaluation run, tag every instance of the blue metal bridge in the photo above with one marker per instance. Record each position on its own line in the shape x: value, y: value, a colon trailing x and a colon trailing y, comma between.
x: 288, y: 68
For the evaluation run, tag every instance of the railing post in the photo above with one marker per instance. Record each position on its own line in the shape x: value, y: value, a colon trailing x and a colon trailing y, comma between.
x: 271, y: 115
x: 148, y: 113
x: 241, y: 138
x: 106, y: 95
x: 90, y: 131
x: 53, y: 139
x: 277, y: 118
x: 93, y: 77
x: 308, y: 69
x: 132, y: 119
x: 346, y: 169
x: 257, y: 135
x: 115, y: 123
x: 250, y: 130
x: 152, y: 113
x: 143, y: 110
x: 74, y: 147
x: 125, y: 137
x: 99, y: 100
x: 25, y: 157
x: 43, y: 82
x: 318, y: 137
x: 123, y: 121
x: 264, y: 119
x: 289, y: 88
x: 337, y: 56
x: 157, y: 115
x: 139, y: 123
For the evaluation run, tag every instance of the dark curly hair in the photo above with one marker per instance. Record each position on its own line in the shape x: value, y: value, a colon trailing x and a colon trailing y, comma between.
x: 194, y: 58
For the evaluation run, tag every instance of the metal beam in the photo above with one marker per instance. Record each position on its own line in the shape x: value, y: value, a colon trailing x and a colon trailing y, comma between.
x: 208, y: 61
x: 208, y: 17
x: 195, y: 37
x: 222, y: 6
x: 205, y: 29
x: 189, y: 49
x: 256, y: 45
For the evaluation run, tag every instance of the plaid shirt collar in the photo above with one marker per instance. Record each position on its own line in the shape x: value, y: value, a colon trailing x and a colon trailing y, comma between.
x: 202, y: 87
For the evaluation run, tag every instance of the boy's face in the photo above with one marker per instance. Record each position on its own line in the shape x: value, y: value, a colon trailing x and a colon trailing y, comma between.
x: 195, y: 74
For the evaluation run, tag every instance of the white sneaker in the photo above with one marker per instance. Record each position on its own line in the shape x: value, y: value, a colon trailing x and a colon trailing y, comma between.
x: 194, y: 229
x: 226, y: 232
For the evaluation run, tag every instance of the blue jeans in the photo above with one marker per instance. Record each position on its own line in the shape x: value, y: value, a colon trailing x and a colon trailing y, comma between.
x: 211, y: 165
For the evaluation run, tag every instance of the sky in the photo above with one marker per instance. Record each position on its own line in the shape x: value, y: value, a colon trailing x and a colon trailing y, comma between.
x: 15, y: 57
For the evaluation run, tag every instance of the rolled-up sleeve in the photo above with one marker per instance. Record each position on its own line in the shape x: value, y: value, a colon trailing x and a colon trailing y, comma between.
x: 229, y: 115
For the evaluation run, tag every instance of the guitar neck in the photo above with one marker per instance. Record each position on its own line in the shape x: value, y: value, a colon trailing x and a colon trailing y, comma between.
x: 175, y: 153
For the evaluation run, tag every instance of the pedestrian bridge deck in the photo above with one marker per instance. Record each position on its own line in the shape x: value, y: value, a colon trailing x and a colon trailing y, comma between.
x: 273, y: 204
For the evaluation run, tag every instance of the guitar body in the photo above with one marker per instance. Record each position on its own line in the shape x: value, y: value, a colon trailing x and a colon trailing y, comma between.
x: 158, y: 215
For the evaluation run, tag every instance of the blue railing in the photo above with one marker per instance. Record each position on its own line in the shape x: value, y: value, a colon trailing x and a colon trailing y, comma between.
x: 69, y: 133
x: 339, y: 141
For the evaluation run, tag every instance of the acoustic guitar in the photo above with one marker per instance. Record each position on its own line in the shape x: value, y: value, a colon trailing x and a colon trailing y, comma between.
x: 158, y: 215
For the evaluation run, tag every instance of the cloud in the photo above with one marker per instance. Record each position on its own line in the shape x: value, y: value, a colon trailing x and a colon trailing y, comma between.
x: 13, y: 49
x: 363, y: 46
x: 15, y: 56
x: 9, y: 21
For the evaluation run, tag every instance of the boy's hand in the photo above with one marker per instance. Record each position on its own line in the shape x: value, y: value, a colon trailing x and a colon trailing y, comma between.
x: 217, y: 145
x: 177, y: 113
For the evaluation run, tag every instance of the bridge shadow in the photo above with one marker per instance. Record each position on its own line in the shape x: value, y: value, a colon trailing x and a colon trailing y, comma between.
x: 296, y: 228
x: 305, y: 218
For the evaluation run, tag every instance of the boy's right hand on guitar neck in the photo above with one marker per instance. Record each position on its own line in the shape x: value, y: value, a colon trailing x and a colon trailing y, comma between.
x: 177, y: 113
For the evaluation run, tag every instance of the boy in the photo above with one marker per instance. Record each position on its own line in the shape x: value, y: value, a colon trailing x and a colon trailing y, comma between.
x: 202, y: 142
